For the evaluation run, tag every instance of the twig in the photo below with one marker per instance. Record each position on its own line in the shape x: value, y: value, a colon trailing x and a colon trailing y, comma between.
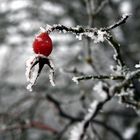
x: 109, y: 128
x: 117, y: 87
x: 100, y: 7
x: 92, y: 77
x: 116, y: 47
x: 93, y: 115
x: 96, y: 133
x: 60, y: 110
x: 80, y: 29
x: 118, y: 23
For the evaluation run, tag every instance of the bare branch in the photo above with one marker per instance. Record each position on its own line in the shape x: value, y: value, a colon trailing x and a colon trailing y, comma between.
x: 92, y: 77
x: 116, y: 47
x: 131, y: 75
x: 118, y: 23
x: 100, y: 7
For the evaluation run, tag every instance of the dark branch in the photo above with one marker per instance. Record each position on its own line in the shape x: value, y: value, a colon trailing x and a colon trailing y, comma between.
x: 92, y: 77
x: 118, y: 23
x: 116, y: 47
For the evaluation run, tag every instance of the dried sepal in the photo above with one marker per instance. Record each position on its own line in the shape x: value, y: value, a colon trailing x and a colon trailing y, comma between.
x: 33, y: 72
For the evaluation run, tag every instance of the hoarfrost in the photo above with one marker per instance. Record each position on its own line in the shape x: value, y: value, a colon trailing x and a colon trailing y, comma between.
x: 31, y: 75
x: 75, y: 79
x: 97, y: 38
x: 42, y: 29
x: 137, y: 65
x: 51, y: 77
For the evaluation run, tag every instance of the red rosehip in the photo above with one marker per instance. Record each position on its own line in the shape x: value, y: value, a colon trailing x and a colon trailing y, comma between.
x: 42, y: 44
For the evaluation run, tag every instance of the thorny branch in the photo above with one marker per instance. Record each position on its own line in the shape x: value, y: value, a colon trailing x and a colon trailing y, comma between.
x: 98, y: 35
x: 80, y: 29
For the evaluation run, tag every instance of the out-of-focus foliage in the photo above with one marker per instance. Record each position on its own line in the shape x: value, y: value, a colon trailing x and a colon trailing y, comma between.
x: 19, y: 22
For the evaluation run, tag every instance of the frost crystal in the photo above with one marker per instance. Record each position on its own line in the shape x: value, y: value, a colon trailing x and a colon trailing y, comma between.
x: 137, y: 65
x: 48, y: 28
x: 100, y: 37
x: 30, y: 74
x: 29, y: 87
x: 42, y: 29
x: 51, y: 77
x: 74, y: 79
x: 97, y: 38
x: 79, y: 36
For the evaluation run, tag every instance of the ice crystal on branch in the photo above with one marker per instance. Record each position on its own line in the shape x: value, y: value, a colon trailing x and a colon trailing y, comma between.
x: 137, y: 66
x: 75, y: 79
x: 80, y: 32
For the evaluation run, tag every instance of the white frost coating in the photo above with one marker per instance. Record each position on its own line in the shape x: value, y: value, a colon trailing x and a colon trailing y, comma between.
x: 129, y: 132
x: 64, y: 31
x: 42, y: 29
x: 137, y: 65
x: 75, y: 79
x: 51, y: 77
x: 29, y: 87
x: 28, y: 67
x: 31, y: 75
x: 79, y: 36
x: 100, y: 37
x: 97, y: 38
x: 77, y: 131
x: 100, y: 93
x: 48, y: 28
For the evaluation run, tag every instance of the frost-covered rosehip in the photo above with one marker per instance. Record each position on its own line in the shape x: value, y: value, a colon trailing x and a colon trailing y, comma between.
x: 42, y: 47
x: 43, y: 44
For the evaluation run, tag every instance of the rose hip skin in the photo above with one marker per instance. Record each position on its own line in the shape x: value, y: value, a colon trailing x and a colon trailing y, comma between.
x: 42, y: 44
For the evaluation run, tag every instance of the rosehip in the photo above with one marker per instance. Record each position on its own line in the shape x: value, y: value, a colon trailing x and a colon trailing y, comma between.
x: 42, y: 44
